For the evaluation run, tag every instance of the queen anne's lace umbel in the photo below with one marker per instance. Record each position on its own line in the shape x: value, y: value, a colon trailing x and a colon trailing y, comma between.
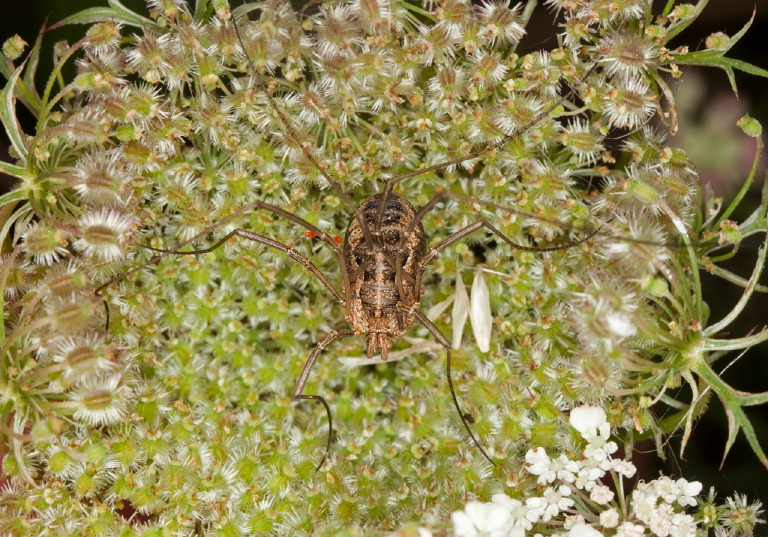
x: 174, y: 416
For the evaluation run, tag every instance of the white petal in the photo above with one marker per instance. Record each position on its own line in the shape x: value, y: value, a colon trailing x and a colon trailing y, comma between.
x: 460, y: 311
x: 437, y: 310
x: 480, y: 312
x: 462, y: 524
x: 587, y: 419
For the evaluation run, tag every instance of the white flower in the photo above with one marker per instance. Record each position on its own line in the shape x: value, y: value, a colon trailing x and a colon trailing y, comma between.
x: 548, y: 469
x: 538, y: 464
x: 103, y: 234
x: 626, y: 55
x: 624, y: 468
x: 517, y: 509
x: 584, y: 530
x: 45, y: 244
x: 481, y: 520
x: 627, y: 529
x: 609, y: 518
x: 557, y: 499
x: 588, y: 475
x: 517, y: 531
x: 665, y: 488
x: 599, y: 451
x: 601, y: 495
x: 660, y: 520
x: 588, y: 419
x: 687, y: 492
x: 683, y: 525
x: 630, y: 104
x: 100, y: 400
x: 565, y: 469
x: 680, y: 491
x: 592, y: 423
x: 643, y: 503
x: 620, y: 324
x: 537, y: 506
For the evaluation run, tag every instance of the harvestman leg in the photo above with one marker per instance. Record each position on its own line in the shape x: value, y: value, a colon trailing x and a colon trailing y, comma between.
x: 261, y: 239
x: 465, y: 418
x: 256, y: 204
x: 293, y: 254
x: 301, y: 382
x: 430, y: 255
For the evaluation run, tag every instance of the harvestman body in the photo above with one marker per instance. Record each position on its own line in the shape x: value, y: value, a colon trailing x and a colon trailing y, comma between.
x: 382, y: 263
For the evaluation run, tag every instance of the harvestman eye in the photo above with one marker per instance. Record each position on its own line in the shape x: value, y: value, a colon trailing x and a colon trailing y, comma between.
x: 382, y: 262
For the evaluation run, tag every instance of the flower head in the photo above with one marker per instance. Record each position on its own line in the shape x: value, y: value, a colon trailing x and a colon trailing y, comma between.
x: 100, y: 400
x: 103, y: 234
x: 481, y: 520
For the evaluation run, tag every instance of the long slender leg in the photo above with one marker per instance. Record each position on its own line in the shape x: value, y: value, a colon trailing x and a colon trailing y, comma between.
x: 465, y: 418
x: 430, y: 255
x: 460, y: 234
x: 404, y: 238
x: 261, y: 239
x: 247, y: 207
x: 256, y: 204
x: 301, y: 382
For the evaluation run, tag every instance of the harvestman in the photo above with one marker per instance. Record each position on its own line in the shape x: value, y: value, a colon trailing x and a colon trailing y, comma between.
x: 382, y: 261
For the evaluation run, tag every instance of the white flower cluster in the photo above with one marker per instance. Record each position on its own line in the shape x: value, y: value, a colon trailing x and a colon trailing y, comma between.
x: 654, y: 508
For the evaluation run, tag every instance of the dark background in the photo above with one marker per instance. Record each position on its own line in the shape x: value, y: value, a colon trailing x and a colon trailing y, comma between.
x: 708, y: 111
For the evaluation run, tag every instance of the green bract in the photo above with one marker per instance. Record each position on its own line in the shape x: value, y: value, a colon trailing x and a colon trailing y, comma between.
x: 179, y: 411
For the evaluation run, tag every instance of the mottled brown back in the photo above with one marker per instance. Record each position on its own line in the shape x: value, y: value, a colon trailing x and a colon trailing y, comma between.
x: 375, y: 294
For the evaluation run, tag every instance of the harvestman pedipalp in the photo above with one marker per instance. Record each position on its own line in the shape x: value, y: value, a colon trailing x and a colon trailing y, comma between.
x: 382, y: 260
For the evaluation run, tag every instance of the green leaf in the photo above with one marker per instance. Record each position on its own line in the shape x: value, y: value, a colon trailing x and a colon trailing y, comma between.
x: 736, y: 344
x: 733, y: 401
x: 8, y: 115
x: 201, y: 8
x: 4, y: 272
x: 737, y: 419
x: 30, y: 98
x: 735, y: 279
x: 244, y: 9
x: 14, y: 195
x: 744, y: 188
x: 14, y: 171
x: 116, y: 12
x: 741, y: 304
x: 130, y: 17
x: 6, y: 67
x: 716, y: 58
x: 88, y: 16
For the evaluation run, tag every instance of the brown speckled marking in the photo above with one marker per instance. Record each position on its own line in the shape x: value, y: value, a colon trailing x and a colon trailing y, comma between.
x: 375, y: 306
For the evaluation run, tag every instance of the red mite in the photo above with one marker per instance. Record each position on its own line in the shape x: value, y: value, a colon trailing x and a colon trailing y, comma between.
x: 312, y: 235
